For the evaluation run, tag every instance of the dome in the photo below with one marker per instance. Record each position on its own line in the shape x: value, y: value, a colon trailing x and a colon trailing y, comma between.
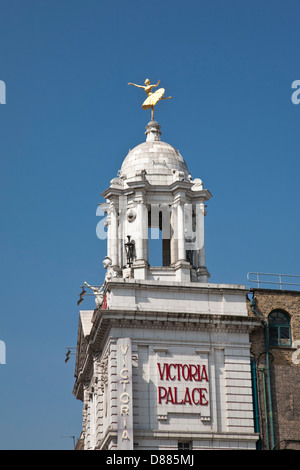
x: 154, y: 160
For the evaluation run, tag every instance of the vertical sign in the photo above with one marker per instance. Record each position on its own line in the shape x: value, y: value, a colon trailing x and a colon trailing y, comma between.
x: 124, y: 391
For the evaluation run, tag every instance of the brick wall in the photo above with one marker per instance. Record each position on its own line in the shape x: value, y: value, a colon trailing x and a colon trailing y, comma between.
x: 284, y: 371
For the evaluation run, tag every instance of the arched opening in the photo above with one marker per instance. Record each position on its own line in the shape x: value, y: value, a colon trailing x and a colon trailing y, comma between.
x: 279, y: 328
x: 159, y: 235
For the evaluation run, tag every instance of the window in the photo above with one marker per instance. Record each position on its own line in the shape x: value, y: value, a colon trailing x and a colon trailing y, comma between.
x: 279, y: 328
x: 184, y: 445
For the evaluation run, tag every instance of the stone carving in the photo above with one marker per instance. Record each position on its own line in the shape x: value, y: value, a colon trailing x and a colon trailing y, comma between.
x: 141, y: 174
x: 98, y: 292
x: 178, y: 175
x: 103, y: 372
x: 116, y: 182
x: 110, y: 272
x: 131, y: 215
x: 197, y: 184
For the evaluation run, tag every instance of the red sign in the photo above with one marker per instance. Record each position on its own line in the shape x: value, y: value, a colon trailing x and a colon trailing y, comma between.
x: 180, y: 394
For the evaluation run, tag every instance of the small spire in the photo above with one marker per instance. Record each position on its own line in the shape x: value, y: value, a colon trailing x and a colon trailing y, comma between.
x: 152, y: 131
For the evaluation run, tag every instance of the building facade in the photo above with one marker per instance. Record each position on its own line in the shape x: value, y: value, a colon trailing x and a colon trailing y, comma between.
x: 275, y: 348
x: 164, y: 360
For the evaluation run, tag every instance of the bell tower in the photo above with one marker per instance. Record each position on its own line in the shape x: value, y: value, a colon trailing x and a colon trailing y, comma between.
x: 154, y: 196
x: 163, y: 360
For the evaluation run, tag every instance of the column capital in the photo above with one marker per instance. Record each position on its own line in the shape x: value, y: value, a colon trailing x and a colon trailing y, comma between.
x: 179, y: 196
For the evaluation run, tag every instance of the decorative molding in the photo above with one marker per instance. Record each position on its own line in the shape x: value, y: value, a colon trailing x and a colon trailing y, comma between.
x: 104, y: 372
x: 160, y: 349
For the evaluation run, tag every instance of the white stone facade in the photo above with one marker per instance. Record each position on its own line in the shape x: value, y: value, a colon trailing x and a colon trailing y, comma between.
x: 164, y: 362
x: 216, y: 343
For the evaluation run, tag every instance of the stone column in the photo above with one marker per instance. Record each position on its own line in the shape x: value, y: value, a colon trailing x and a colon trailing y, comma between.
x: 145, y: 232
x: 122, y: 233
x: 174, y: 241
x: 107, y: 224
x: 202, y: 272
x: 180, y: 234
x: 140, y: 264
x: 182, y: 267
x: 113, y: 234
x: 200, y: 211
x: 140, y: 235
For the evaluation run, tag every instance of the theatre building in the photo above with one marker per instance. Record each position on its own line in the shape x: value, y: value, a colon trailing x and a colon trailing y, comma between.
x: 164, y: 360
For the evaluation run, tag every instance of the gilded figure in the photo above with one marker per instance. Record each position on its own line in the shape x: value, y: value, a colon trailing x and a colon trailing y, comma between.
x: 152, y: 97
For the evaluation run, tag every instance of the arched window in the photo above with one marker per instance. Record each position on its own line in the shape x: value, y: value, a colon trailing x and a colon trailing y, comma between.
x: 279, y: 328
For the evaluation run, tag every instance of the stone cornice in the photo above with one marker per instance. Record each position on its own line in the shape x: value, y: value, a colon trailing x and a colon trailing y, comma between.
x: 171, y: 285
x: 144, y: 185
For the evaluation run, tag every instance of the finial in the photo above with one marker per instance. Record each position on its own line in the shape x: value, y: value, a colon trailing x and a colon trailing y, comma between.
x: 152, y: 131
x: 152, y: 97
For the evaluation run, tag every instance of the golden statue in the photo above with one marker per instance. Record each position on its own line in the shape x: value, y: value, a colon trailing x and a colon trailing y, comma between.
x: 153, y: 98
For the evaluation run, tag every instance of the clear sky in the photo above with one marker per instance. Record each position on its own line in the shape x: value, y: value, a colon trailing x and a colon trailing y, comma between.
x: 67, y: 125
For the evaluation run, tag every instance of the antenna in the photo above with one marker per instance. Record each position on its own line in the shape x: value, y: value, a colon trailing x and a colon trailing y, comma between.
x: 69, y: 437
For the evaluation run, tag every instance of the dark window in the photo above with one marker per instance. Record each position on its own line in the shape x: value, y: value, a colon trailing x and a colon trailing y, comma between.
x: 279, y: 328
x: 184, y: 445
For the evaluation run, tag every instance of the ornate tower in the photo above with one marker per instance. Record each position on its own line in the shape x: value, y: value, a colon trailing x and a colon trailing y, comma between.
x: 163, y: 361
x: 154, y: 196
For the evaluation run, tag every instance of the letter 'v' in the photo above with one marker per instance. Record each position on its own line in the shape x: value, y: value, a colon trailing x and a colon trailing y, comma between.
x: 162, y: 372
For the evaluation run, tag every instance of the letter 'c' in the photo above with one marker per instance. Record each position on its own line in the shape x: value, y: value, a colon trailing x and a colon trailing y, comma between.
x: 124, y: 373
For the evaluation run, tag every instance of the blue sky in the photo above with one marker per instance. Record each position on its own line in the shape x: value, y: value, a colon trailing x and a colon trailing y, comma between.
x: 67, y: 125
